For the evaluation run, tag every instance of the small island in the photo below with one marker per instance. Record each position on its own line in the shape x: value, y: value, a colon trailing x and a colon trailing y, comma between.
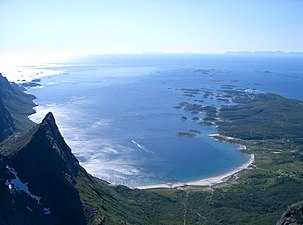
x: 185, y: 134
x: 183, y: 118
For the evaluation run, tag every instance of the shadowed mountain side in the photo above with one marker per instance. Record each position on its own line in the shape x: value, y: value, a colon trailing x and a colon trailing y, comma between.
x: 7, y: 126
x: 42, y: 159
x: 45, y: 166
x: 17, y: 103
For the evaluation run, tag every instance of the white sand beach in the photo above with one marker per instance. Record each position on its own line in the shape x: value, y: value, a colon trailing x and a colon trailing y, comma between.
x: 221, y: 136
x: 203, y: 182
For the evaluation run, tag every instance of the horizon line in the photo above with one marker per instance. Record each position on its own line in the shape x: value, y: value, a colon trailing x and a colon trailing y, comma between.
x: 152, y: 52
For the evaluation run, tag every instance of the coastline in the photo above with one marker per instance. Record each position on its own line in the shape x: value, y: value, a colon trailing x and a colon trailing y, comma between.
x: 22, y: 74
x: 36, y: 73
x: 25, y: 68
x: 203, y: 182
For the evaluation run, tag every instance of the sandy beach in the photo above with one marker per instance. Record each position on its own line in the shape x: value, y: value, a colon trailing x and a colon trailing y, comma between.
x: 203, y: 182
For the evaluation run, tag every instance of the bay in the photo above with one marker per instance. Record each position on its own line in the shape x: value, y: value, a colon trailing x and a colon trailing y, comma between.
x: 117, y: 112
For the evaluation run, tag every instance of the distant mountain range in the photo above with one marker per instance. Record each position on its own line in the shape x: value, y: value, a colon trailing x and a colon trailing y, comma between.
x: 264, y: 52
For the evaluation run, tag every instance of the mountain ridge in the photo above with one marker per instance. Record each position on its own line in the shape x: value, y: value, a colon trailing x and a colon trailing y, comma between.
x: 17, y: 103
x: 45, y: 163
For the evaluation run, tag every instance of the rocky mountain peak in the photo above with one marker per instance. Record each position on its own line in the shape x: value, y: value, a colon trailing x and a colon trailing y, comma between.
x: 42, y: 160
x: 47, y: 151
x: 49, y: 118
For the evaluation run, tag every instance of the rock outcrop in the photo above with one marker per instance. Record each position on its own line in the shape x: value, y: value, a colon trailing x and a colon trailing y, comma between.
x: 293, y: 215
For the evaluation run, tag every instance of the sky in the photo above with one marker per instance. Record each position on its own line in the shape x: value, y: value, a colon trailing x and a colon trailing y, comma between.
x: 136, y: 26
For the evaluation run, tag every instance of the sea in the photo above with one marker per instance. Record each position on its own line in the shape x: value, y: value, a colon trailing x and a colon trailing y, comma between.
x: 120, y: 113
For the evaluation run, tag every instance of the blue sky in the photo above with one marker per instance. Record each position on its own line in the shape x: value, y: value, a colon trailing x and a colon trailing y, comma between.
x: 135, y: 26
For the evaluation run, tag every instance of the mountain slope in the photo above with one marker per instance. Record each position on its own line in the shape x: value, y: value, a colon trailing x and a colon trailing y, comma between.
x: 41, y: 160
x: 17, y: 103
x: 7, y: 126
x: 41, y: 182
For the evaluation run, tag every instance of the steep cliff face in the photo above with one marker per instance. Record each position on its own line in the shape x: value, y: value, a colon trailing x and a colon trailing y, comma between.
x: 38, y: 174
x: 293, y: 215
x: 17, y: 103
x: 7, y: 126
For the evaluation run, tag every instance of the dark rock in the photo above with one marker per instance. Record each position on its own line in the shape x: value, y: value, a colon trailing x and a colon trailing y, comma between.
x: 293, y: 215
x: 7, y: 126
x: 30, y: 84
x: 18, y: 104
x: 206, y: 123
x: 195, y: 118
x: 43, y: 160
x: 183, y: 118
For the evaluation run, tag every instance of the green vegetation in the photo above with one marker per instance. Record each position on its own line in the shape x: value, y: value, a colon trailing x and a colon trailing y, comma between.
x: 271, y: 128
x: 185, y: 134
x: 256, y: 196
x: 263, y: 116
x: 210, y: 112
x: 269, y: 125
x: 18, y: 104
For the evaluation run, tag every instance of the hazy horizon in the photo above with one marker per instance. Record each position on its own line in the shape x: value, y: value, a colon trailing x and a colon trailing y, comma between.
x: 127, y: 27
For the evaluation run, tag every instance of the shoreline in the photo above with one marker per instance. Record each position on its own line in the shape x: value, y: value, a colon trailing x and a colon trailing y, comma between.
x: 24, y: 68
x: 203, y: 182
x: 23, y: 74
x: 36, y: 73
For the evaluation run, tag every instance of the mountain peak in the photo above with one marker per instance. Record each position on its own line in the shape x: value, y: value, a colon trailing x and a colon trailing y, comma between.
x: 49, y: 118
x: 45, y: 163
x: 49, y: 127
x: 47, y: 134
x: 4, y: 82
x: 43, y: 142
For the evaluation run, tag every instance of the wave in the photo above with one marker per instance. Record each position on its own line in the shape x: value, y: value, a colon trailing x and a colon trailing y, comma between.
x: 142, y: 148
x: 138, y: 145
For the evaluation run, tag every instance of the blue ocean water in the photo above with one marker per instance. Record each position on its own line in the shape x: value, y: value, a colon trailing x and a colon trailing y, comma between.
x: 117, y: 111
